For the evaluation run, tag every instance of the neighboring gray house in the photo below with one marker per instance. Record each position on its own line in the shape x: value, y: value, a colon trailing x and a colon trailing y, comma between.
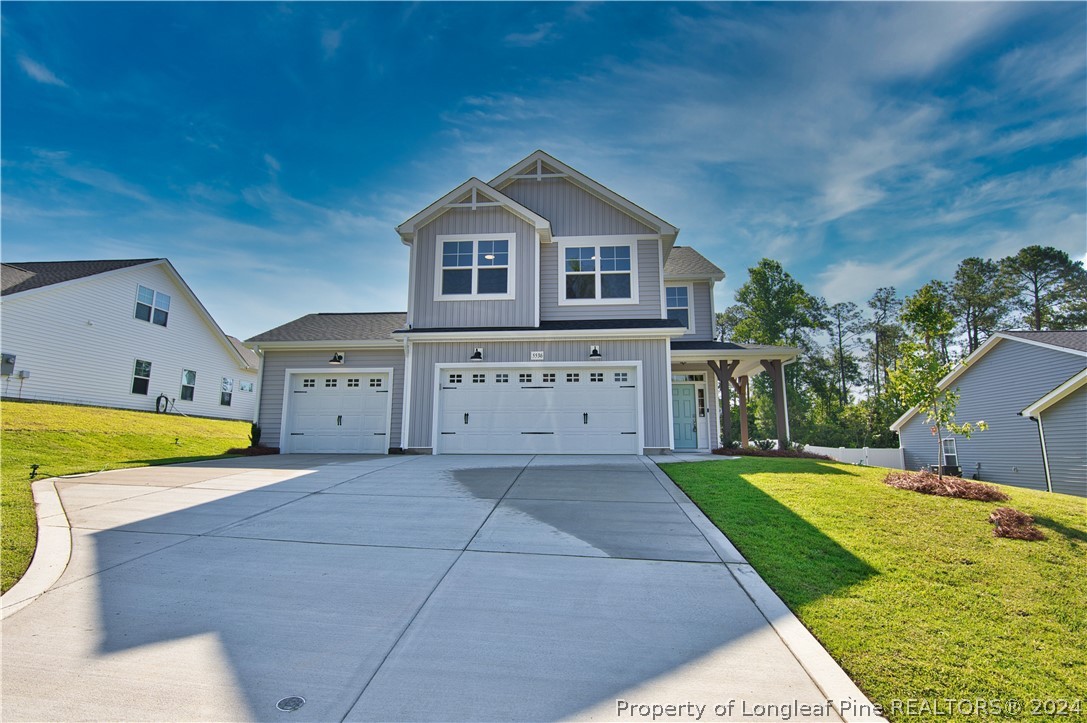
x: 1029, y: 387
x: 545, y: 314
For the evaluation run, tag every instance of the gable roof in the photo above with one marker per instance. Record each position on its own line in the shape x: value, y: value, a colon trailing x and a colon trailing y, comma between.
x: 245, y: 352
x: 535, y: 163
x: 350, y: 327
x: 1070, y: 385
x: 686, y: 263
x: 473, y: 188
x: 1068, y: 343
x: 27, y: 275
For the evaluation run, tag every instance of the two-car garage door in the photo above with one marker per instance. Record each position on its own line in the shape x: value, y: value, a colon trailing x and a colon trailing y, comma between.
x: 343, y: 412
x: 538, y: 410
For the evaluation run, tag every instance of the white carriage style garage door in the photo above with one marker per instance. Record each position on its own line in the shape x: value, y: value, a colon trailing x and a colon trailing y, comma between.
x: 343, y: 412
x: 559, y: 410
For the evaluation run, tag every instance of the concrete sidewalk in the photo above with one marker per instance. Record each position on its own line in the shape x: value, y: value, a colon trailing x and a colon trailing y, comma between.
x: 404, y: 588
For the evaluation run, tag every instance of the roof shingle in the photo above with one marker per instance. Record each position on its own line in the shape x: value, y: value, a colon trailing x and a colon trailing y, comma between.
x: 16, y: 277
x: 337, y: 327
x: 1075, y: 340
x: 684, y: 261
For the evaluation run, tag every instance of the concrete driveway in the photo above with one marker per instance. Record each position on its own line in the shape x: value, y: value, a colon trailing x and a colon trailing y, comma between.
x: 404, y: 588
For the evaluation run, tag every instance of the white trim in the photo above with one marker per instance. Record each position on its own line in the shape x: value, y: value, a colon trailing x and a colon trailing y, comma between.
x: 284, y: 430
x: 785, y: 403
x: 660, y: 272
x: 441, y: 367
x: 1070, y: 385
x: 943, y: 451
x: 537, y: 283
x: 690, y: 303
x: 978, y: 353
x: 259, y: 387
x: 718, y: 408
x: 629, y: 240
x: 537, y: 335
x: 405, y: 412
x: 669, y: 412
x: 409, y: 317
x: 713, y: 315
x: 1045, y: 455
x: 408, y: 228
x: 580, y: 179
x: 333, y: 345
x: 511, y: 290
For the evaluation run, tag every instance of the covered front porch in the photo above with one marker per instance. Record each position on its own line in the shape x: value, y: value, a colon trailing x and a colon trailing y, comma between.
x: 703, y: 373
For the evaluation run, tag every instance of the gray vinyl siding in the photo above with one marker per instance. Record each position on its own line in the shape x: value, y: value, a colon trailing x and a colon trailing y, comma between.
x: 649, y: 289
x: 520, y: 311
x: 572, y: 211
x: 1065, y: 427
x: 653, y: 353
x: 995, y: 388
x: 703, y: 315
x: 276, y: 363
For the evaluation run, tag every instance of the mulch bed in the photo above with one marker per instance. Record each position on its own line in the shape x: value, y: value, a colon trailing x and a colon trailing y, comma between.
x: 930, y: 484
x: 1014, y: 524
x: 756, y: 452
x: 253, y: 451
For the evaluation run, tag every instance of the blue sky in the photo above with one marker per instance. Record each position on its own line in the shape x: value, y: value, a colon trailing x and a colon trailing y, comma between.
x: 269, y: 149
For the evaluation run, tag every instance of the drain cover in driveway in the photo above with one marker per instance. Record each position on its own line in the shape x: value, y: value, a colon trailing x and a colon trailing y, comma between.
x: 291, y: 703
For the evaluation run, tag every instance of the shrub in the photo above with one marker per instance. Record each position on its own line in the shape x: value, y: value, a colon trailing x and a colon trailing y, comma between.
x: 254, y: 435
x: 1014, y: 524
x: 758, y: 452
x: 929, y: 484
x: 765, y: 444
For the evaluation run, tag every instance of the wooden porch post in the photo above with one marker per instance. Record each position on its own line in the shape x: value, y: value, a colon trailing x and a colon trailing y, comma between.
x: 723, y: 371
x: 773, y: 368
x: 741, y: 391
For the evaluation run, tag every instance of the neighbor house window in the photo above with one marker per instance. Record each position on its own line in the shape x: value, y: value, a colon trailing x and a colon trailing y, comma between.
x: 475, y: 267
x: 188, y: 384
x: 141, y: 377
x: 151, y: 305
x: 600, y: 273
x: 248, y: 386
x: 227, y: 392
x: 678, y: 299
x: 951, y: 453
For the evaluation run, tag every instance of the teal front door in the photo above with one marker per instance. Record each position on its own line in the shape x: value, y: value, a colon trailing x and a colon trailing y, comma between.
x: 683, y: 416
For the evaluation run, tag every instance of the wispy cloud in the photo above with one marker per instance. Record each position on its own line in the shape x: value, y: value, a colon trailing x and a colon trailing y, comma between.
x: 39, y: 72
x: 541, y: 33
x: 332, y: 38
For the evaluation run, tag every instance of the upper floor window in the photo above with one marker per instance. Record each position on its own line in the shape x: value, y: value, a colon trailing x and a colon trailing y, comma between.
x: 151, y: 305
x: 597, y: 273
x: 678, y: 300
x: 475, y: 267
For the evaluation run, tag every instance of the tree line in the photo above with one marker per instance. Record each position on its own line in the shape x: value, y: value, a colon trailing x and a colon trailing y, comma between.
x: 841, y: 392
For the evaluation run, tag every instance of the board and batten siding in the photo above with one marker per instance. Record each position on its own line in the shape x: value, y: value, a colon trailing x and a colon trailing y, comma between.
x: 649, y: 289
x: 652, y: 353
x: 1065, y: 428
x: 994, y: 389
x: 573, y: 211
x: 80, y: 341
x: 519, y: 311
x: 277, y: 362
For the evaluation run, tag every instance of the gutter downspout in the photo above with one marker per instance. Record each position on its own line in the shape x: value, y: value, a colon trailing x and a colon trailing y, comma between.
x: 785, y: 399
x: 1045, y: 454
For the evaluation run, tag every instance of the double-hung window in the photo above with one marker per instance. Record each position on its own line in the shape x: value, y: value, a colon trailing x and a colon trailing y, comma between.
x: 227, y: 391
x: 141, y: 377
x: 151, y: 305
x: 188, y: 385
x: 951, y: 453
x: 678, y: 299
x: 475, y: 267
x: 597, y: 272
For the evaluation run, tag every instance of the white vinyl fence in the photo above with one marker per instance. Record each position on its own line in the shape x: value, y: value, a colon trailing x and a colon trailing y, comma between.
x: 893, y: 458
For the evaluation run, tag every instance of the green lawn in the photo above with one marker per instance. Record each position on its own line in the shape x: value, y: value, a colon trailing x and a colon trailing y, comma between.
x: 910, y: 593
x: 66, y: 439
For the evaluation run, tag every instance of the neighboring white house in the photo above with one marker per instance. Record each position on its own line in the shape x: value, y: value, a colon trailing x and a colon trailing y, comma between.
x: 120, y: 334
x: 545, y: 314
x: 1029, y: 387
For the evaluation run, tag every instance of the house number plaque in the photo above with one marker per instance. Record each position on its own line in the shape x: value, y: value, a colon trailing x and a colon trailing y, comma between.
x: 535, y: 356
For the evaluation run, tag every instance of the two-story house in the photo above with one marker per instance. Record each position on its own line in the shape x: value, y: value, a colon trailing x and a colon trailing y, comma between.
x: 545, y: 314
x: 125, y: 333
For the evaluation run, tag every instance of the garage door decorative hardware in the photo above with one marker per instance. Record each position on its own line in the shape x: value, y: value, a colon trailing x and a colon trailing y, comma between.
x: 537, y: 387
x: 537, y: 432
x: 585, y: 418
x: 291, y: 703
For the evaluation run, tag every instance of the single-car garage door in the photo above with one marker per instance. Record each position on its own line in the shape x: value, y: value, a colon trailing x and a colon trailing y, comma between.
x: 561, y: 410
x: 346, y: 413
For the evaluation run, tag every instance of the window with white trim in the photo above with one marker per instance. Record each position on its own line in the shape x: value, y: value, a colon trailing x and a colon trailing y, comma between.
x: 227, y: 391
x: 152, y: 306
x: 678, y: 300
x: 951, y: 453
x: 597, y: 273
x: 475, y: 267
x: 141, y: 377
x: 188, y: 385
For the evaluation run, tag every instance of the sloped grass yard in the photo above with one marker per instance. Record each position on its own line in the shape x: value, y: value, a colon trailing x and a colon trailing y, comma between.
x: 66, y: 439
x: 912, y: 594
